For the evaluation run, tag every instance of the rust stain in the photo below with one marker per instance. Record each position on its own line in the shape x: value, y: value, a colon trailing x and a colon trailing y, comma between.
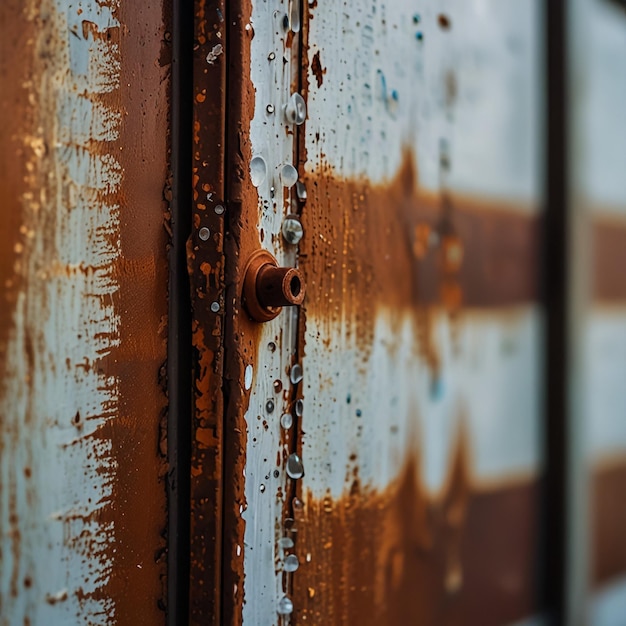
x: 400, y: 556
x: 608, y: 519
x: 396, y: 248
x: 317, y: 69
x: 206, y: 266
x: 137, y: 582
x: 608, y: 242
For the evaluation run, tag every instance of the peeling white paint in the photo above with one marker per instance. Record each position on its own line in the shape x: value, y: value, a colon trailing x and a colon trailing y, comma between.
x: 56, y: 466
x: 266, y: 482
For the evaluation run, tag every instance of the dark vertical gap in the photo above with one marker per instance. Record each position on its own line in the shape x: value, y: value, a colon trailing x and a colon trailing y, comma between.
x: 555, y: 293
x: 179, y: 327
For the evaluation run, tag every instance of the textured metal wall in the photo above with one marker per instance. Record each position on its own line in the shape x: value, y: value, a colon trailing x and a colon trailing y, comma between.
x: 83, y: 315
x: 385, y: 445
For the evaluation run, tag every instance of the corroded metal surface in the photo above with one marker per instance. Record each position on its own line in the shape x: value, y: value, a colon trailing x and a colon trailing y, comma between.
x: 206, y: 268
x: 82, y: 501
x: 415, y: 387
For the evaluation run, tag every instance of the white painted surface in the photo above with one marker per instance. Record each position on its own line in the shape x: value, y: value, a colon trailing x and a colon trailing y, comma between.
x: 264, y: 491
x: 389, y: 406
x: 66, y: 317
x: 608, y: 604
x: 606, y: 380
x: 385, y: 90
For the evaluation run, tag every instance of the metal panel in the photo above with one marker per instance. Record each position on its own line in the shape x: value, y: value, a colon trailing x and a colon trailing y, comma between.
x: 598, y: 136
x: 82, y: 502
x: 419, y: 424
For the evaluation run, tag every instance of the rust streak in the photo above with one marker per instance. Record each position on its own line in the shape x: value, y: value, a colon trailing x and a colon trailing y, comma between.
x: 399, y: 556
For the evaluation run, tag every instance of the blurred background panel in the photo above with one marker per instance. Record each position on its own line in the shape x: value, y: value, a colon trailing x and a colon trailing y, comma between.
x: 597, y: 50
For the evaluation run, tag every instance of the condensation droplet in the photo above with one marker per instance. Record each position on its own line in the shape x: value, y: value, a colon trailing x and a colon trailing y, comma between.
x: 291, y: 563
x: 285, y: 606
x: 297, y: 504
x: 295, y: 376
x: 269, y: 406
x: 285, y: 543
x: 248, y: 377
x: 215, y: 307
x: 219, y: 209
x: 295, y: 109
x: 292, y: 229
x: 286, y: 420
x: 295, y: 16
x: 204, y: 233
x: 295, y: 469
x: 262, y: 488
x: 258, y: 170
x: 301, y: 191
x: 271, y: 56
x: 278, y: 385
x: 288, y: 175
x: 290, y: 524
x: 270, y: 108
x: 271, y: 346
x: 299, y: 408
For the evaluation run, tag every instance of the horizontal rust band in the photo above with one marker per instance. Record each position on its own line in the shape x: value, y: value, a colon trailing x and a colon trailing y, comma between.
x: 608, y: 521
x: 608, y: 246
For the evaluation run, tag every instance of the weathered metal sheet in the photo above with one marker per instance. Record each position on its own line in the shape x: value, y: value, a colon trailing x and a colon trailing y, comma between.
x: 206, y: 268
x: 598, y: 133
x: 82, y: 501
x: 416, y: 403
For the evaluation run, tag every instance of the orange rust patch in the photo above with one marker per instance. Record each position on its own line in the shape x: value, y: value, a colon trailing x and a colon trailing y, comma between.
x: 394, y: 247
x: 608, y: 259
x: 317, y: 69
x: 608, y: 520
x: 402, y: 557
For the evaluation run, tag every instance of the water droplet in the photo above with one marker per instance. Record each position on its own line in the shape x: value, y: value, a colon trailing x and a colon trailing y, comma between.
x: 248, y: 377
x: 215, y: 307
x: 271, y: 346
x: 297, y: 504
x: 270, y: 108
x: 269, y: 406
x: 262, y: 488
x: 285, y: 606
x: 286, y: 420
x: 299, y: 408
x: 258, y: 170
x: 291, y: 563
x: 286, y: 22
x: 204, y: 233
x: 219, y: 209
x: 292, y: 229
x: 295, y: 376
x: 295, y: 16
x: 327, y: 503
x: 278, y: 386
x: 276, y: 473
x: 288, y: 175
x: 271, y: 56
x: 295, y: 109
x: 301, y: 191
x: 295, y: 469
x: 359, y: 412
x: 272, y: 192
x: 285, y: 543
x: 290, y: 524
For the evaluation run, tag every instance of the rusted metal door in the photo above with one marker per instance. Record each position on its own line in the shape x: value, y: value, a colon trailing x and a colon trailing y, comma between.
x: 381, y: 454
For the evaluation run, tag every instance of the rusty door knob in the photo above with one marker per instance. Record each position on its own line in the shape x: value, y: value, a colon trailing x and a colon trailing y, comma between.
x: 267, y: 287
